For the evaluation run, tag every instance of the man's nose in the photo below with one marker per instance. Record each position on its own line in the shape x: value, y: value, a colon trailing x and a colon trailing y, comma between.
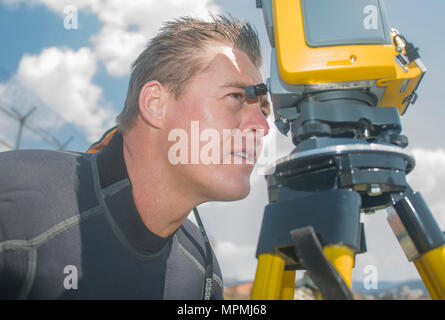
x: 255, y: 121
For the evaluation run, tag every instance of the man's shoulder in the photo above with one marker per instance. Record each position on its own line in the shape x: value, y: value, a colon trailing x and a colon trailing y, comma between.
x: 192, y: 240
x: 27, y: 165
x: 191, y: 231
x: 35, y: 157
x: 38, y: 189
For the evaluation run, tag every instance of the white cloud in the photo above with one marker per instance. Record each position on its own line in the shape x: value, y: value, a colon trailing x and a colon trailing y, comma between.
x: 62, y: 78
x: 237, y: 262
x: 118, y: 48
x: 428, y: 178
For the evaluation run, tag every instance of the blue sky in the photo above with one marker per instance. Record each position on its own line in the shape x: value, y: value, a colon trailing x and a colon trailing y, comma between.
x: 49, y: 61
x: 31, y: 28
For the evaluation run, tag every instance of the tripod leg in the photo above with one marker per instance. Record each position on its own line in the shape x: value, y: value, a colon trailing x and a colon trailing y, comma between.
x: 271, y: 281
x: 311, y: 256
x: 288, y: 285
x: 430, y: 267
x: 342, y: 258
x: 421, y: 239
x: 426, y: 278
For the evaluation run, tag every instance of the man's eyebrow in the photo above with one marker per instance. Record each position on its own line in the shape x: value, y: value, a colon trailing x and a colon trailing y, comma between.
x: 235, y: 84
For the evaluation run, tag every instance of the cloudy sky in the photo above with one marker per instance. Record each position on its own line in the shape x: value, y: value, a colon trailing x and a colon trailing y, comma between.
x: 77, y: 80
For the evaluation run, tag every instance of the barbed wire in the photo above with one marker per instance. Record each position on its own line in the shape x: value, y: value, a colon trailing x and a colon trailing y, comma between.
x: 20, y: 104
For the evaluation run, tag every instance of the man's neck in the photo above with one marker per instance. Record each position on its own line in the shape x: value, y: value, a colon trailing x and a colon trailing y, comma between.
x: 163, y: 200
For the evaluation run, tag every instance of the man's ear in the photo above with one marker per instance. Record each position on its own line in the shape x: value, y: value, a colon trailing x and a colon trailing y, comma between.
x: 152, y: 103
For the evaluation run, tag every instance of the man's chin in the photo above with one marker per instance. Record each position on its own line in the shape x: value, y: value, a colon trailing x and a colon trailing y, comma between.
x: 235, y: 194
x: 225, y: 193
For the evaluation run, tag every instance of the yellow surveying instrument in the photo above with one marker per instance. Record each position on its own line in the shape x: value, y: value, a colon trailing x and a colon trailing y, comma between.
x: 340, y: 78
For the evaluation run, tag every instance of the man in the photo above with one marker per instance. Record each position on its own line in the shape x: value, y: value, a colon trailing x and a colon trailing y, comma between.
x: 112, y: 223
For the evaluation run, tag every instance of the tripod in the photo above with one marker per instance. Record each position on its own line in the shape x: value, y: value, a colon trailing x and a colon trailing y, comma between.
x: 349, y: 159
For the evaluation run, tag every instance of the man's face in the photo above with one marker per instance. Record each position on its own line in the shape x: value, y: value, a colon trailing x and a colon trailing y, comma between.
x: 221, y: 124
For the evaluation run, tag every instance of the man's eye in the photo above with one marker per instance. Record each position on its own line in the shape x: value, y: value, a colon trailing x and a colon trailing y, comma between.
x: 236, y: 95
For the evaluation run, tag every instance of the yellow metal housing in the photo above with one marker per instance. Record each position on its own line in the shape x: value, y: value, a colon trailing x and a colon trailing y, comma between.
x: 299, y: 64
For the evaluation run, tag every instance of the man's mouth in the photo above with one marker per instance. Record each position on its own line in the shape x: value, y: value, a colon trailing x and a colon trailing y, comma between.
x: 245, y: 155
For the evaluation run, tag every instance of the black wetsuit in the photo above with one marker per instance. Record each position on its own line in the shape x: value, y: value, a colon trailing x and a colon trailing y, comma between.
x: 67, y: 216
